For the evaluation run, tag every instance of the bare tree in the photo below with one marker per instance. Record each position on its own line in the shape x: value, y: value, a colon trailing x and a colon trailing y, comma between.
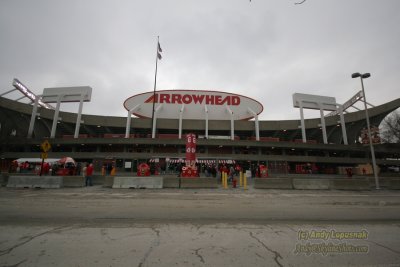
x: 390, y: 126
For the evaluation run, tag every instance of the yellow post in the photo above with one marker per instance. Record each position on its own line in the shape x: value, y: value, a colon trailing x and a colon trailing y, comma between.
x: 113, y: 171
x: 241, y: 179
x: 244, y: 182
x: 225, y: 180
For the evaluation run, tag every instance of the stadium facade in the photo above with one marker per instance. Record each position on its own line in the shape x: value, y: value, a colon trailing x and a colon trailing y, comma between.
x: 125, y: 142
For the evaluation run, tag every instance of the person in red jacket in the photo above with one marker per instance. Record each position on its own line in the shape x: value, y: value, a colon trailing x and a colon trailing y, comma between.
x: 88, y: 174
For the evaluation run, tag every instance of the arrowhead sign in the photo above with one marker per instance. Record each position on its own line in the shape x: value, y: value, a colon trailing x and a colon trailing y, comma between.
x: 45, y: 146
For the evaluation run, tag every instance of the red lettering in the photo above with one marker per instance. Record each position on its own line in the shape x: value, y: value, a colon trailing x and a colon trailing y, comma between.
x: 226, y: 100
x: 150, y: 99
x: 218, y: 100
x: 176, y: 99
x: 195, y: 99
x: 186, y: 99
x: 198, y: 98
x: 164, y: 98
x: 209, y: 99
x: 235, y: 101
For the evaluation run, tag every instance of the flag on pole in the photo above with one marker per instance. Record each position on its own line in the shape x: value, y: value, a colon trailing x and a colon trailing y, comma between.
x: 159, y: 50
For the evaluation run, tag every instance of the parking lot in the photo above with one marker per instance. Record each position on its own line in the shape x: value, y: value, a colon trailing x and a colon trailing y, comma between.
x: 198, y: 227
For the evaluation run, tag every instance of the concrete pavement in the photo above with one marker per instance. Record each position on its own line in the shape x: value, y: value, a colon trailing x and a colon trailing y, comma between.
x: 97, y: 226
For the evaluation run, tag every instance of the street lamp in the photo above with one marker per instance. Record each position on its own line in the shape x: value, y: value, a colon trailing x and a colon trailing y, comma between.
x: 365, y: 76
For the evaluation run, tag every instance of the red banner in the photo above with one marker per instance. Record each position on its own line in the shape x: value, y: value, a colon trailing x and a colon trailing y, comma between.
x: 190, y: 149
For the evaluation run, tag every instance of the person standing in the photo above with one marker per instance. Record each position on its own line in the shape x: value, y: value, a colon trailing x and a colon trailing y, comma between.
x: 84, y: 169
x: 89, y: 173
x: 231, y: 173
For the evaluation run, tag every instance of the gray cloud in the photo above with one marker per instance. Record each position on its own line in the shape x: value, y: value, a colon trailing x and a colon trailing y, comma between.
x: 266, y: 50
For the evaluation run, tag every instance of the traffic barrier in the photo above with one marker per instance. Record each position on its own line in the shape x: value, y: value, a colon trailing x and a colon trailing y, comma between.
x: 35, y: 182
x: 98, y: 179
x: 73, y: 181
x: 312, y: 184
x: 199, y: 183
x: 394, y: 184
x: 273, y: 183
x: 4, y: 178
x: 349, y: 184
x: 108, y: 181
x: 138, y: 182
x: 384, y: 182
x: 171, y: 182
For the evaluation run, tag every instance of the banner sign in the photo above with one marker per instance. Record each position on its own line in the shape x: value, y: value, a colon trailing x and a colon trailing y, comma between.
x: 193, y: 104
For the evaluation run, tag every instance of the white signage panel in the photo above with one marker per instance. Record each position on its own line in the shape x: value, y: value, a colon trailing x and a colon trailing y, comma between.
x: 67, y: 94
x: 196, y: 103
x: 314, y: 101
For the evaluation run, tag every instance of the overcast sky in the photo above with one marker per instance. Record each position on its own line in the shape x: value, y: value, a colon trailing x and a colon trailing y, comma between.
x: 263, y: 49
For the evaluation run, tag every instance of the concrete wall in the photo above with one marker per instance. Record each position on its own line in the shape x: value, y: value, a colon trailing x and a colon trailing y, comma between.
x: 171, y: 182
x: 395, y: 183
x: 311, y: 184
x: 73, y: 181
x: 138, y: 182
x: 199, y: 183
x: 98, y: 179
x: 35, y: 182
x: 350, y: 184
x: 4, y: 178
x: 108, y: 181
x: 273, y: 183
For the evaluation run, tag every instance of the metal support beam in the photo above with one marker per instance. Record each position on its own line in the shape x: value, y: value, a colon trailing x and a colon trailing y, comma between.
x: 22, y: 97
x: 12, y: 90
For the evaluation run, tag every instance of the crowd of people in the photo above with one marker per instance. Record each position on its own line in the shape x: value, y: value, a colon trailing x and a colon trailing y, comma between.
x: 48, y: 168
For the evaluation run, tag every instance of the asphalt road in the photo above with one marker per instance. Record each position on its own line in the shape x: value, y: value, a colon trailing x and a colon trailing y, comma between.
x: 96, y: 226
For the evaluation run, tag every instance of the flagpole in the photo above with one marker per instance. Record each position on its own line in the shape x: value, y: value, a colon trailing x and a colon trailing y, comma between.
x: 155, y: 86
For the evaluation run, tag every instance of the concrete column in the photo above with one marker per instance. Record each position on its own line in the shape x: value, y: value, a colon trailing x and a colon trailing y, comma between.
x: 180, y: 120
x: 343, y: 124
x: 232, y: 123
x: 153, y: 134
x: 256, y: 123
x: 324, y: 135
x: 206, y: 113
x: 303, y: 127
x: 128, y: 120
x: 78, y: 119
x: 33, y: 116
x: 55, y: 118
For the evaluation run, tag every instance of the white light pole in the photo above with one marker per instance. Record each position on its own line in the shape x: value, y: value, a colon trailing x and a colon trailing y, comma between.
x: 365, y: 76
